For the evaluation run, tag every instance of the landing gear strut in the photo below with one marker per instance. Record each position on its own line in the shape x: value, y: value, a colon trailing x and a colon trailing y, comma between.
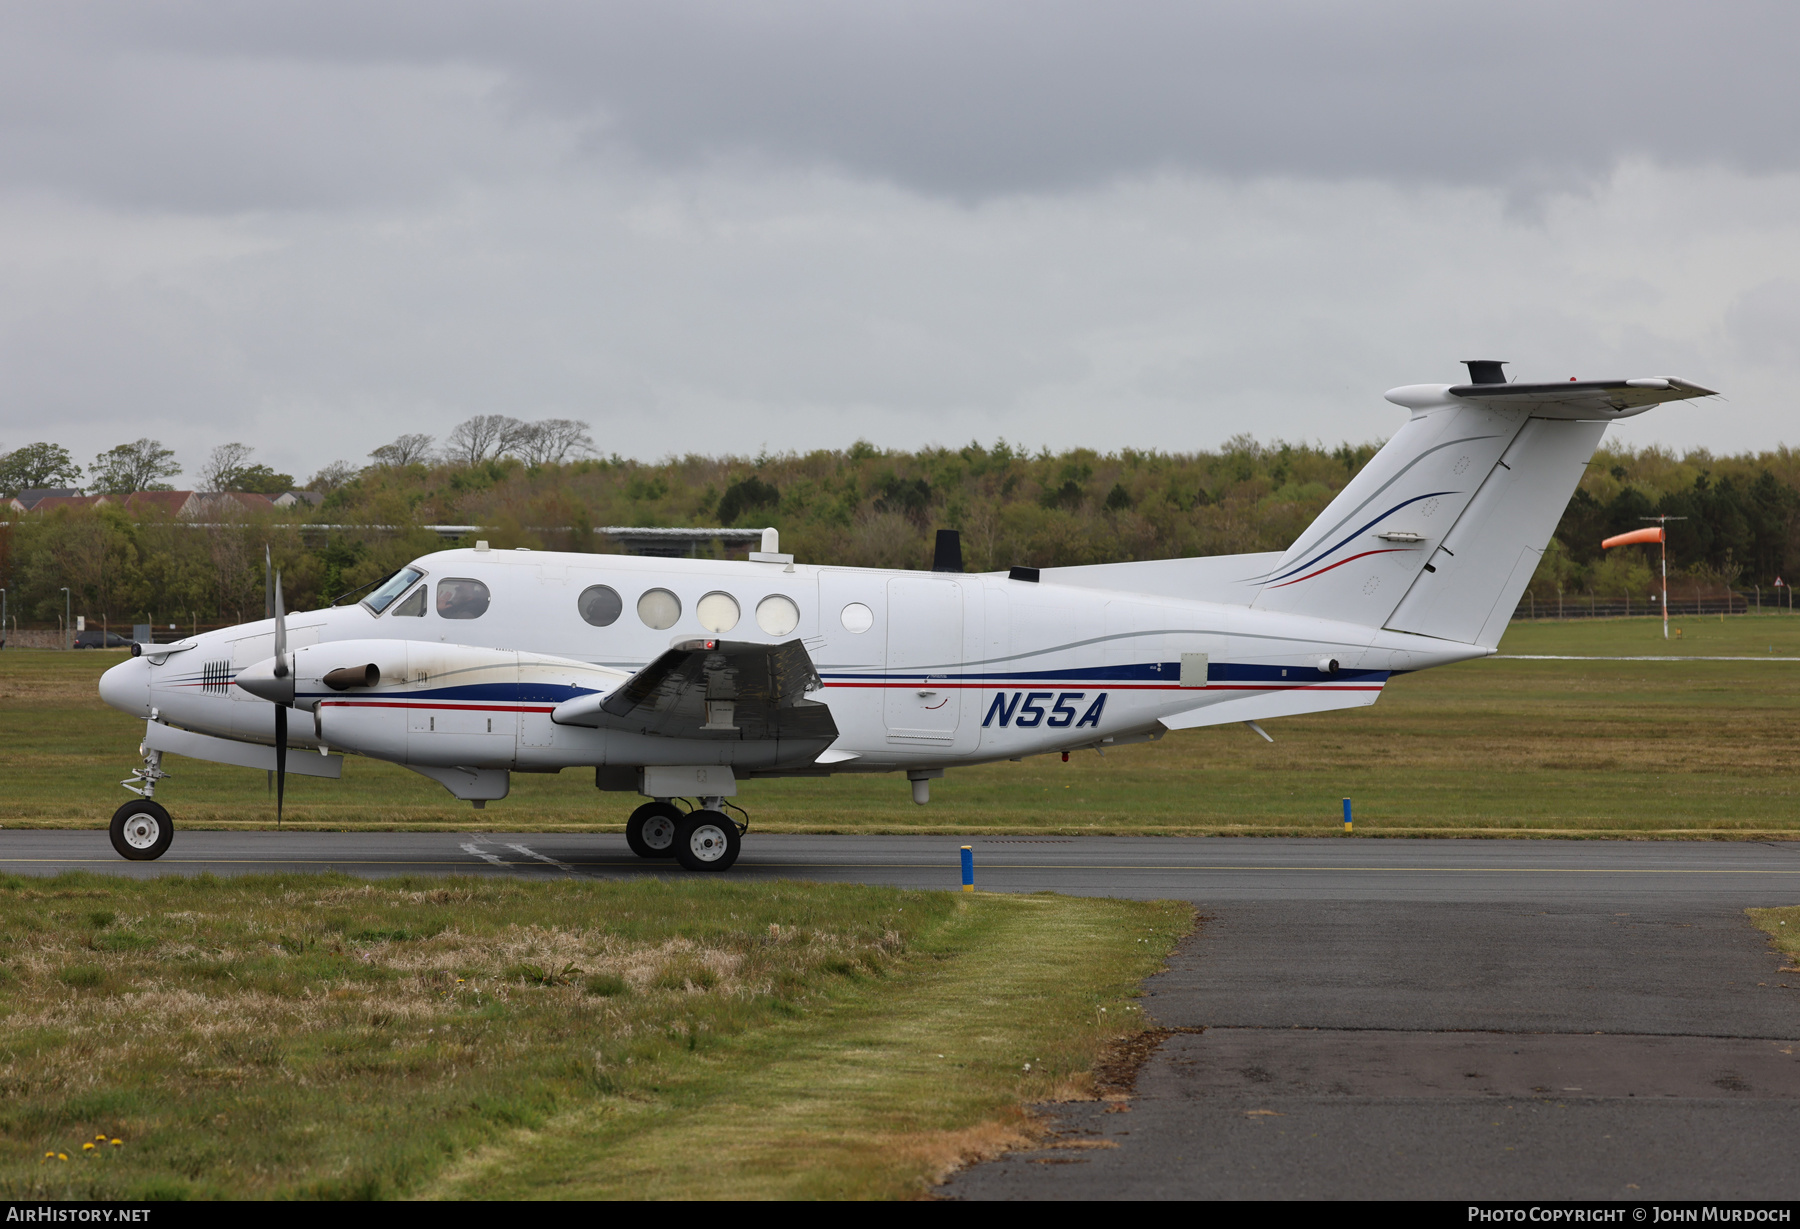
x: 141, y: 830
x: 651, y: 829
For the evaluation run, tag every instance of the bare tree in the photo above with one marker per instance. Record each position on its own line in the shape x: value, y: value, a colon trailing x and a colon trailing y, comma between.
x: 407, y: 450
x: 551, y: 441
x: 482, y: 438
x: 223, y: 466
x: 331, y: 477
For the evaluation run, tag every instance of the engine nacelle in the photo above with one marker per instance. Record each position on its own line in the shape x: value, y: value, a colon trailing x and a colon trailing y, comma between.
x: 419, y: 702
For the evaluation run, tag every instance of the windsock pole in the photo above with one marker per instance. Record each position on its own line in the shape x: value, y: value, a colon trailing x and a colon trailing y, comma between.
x: 1659, y: 535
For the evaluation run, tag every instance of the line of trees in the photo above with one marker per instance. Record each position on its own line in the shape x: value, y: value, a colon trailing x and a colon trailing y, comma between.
x: 862, y: 506
x: 145, y: 465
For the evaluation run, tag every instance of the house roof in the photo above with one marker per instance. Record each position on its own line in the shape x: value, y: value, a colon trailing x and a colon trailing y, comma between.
x: 25, y: 501
x: 245, y: 498
x: 171, y: 503
x: 51, y: 503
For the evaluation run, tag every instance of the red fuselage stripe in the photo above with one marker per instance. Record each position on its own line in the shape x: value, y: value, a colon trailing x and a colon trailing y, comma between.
x: 1340, y: 563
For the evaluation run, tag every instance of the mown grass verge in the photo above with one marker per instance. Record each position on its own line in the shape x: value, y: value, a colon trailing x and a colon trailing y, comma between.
x: 1783, y: 928
x: 320, y: 1036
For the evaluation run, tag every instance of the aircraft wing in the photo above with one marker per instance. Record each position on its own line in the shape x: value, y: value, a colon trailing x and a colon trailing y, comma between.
x: 714, y: 689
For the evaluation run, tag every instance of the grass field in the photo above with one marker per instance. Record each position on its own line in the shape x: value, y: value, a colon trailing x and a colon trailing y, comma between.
x: 319, y: 1036
x: 1783, y: 927
x: 1495, y: 747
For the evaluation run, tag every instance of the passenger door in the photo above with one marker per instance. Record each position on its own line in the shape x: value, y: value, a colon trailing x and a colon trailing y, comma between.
x: 923, y: 699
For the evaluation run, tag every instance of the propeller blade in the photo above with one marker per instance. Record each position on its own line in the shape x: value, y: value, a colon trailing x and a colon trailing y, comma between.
x: 281, y: 710
x: 269, y: 613
x: 281, y: 662
x: 281, y: 716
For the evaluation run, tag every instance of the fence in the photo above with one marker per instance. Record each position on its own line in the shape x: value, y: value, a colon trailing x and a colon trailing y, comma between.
x: 1586, y: 606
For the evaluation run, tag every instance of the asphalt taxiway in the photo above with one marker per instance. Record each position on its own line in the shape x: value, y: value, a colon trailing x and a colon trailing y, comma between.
x: 1354, y: 1017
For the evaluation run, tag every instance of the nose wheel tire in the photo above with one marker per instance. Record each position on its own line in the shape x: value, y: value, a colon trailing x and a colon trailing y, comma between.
x: 651, y: 830
x: 141, y: 831
x: 706, y: 841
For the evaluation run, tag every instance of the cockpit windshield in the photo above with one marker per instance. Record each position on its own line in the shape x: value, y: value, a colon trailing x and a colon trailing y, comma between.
x: 395, y: 585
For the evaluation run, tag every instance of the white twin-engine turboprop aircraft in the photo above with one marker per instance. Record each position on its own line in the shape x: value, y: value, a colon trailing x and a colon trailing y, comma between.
x: 679, y: 678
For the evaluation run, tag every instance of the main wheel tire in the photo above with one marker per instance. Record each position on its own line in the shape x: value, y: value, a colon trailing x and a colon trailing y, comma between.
x: 651, y: 829
x: 706, y: 841
x: 141, y: 830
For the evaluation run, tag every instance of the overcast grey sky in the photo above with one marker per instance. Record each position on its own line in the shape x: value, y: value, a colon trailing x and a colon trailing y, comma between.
x: 723, y: 226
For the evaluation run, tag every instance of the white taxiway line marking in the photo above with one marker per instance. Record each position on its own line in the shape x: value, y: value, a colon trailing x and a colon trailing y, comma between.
x: 561, y: 866
x: 475, y: 851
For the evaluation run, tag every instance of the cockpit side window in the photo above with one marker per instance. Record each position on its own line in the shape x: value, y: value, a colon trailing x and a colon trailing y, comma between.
x: 461, y: 598
x: 413, y: 607
x: 395, y: 585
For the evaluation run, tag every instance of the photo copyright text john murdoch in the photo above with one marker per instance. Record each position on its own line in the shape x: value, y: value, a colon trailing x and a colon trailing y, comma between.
x: 1629, y: 1213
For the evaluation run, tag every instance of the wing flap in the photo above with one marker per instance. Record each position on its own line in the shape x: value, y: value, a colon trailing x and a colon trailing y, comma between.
x: 714, y: 689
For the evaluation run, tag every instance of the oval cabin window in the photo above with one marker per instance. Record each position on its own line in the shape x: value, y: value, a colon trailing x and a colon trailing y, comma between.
x: 461, y: 598
x: 600, y: 605
x: 718, y: 612
x: 857, y: 618
x: 777, y: 615
x: 659, y: 609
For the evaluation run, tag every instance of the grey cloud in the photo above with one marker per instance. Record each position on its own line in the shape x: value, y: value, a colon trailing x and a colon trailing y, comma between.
x: 203, y: 105
x: 1765, y: 322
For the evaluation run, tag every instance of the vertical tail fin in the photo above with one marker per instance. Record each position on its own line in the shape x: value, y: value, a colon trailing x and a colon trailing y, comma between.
x: 1442, y: 530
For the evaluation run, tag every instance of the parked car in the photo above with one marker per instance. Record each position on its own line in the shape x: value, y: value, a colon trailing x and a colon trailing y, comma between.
x: 91, y: 639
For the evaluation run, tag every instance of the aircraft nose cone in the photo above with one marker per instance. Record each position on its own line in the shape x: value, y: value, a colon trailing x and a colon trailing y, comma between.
x: 126, y: 687
x: 260, y: 681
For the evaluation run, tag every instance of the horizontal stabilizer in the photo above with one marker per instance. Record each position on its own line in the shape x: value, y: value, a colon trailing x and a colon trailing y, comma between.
x: 1599, y: 400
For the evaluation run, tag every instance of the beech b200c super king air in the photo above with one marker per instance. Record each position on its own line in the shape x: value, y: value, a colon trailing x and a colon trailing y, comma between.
x: 679, y: 678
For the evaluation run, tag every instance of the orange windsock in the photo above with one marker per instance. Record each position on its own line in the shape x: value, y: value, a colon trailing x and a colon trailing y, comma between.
x: 1653, y: 534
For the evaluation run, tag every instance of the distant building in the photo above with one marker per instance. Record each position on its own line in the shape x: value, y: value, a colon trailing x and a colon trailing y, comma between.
x: 191, y: 505
x: 50, y: 503
x: 169, y: 503
x: 25, y: 501
x: 289, y: 500
x: 224, y: 505
x: 195, y: 505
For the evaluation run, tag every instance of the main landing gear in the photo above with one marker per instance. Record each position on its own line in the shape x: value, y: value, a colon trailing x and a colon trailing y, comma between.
x: 141, y: 829
x: 651, y: 829
x: 705, y: 839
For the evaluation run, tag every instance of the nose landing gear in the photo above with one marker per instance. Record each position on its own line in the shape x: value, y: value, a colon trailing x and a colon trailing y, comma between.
x: 141, y: 830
